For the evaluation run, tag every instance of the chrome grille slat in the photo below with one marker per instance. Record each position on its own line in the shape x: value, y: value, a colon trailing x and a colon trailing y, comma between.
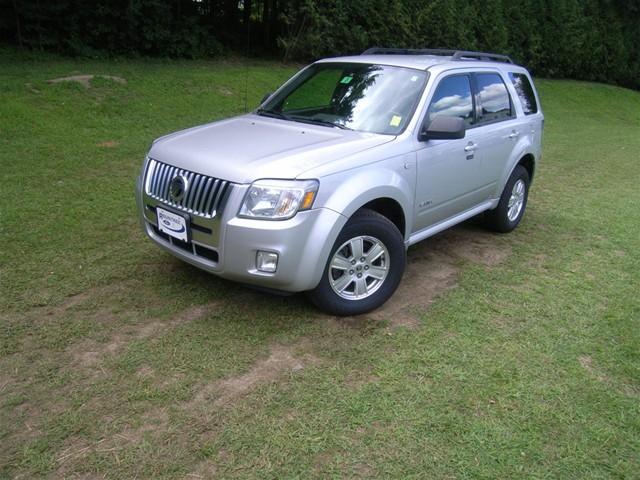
x: 216, y: 202
x: 201, y: 191
x: 193, y: 191
x: 204, y: 195
x: 158, y: 173
x: 153, y: 180
x: 155, y: 173
x: 164, y: 184
x: 214, y: 187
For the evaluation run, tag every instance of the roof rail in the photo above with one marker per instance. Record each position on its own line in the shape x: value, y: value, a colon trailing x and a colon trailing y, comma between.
x: 454, y: 54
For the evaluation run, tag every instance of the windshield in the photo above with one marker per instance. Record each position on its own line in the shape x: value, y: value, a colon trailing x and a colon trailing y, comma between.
x: 356, y: 96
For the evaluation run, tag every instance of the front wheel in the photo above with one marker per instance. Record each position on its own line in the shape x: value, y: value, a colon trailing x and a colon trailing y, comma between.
x: 364, y: 268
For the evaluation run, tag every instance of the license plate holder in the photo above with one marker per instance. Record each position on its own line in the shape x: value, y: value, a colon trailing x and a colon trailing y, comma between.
x: 174, y: 224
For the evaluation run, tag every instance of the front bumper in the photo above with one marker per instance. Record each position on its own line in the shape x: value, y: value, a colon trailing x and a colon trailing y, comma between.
x: 227, y: 245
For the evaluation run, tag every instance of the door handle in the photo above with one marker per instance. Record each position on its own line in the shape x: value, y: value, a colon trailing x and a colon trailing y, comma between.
x: 514, y: 134
x: 470, y: 147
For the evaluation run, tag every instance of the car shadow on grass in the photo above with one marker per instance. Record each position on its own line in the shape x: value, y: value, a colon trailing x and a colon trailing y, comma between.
x: 433, y: 266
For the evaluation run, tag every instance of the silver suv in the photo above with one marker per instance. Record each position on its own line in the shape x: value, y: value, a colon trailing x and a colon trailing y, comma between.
x: 354, y: 159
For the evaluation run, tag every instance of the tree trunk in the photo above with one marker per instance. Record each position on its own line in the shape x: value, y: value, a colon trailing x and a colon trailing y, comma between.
x: 18, y: 30
x: 246, y: 17
x: 266, y: 23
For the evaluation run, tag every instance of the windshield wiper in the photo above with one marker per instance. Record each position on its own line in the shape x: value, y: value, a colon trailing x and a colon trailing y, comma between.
x: 318, y: 121
x: 272, y: 113
x: 314, y: 121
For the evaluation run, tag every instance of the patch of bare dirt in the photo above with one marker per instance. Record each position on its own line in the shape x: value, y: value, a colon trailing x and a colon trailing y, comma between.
x: 31, y: 88
x: 154, y: 423
x: 76, y: 300
x: 85, y: 80
x: 322, y: 459
x: 76, y: 451
x: 90, y: 353
x: 26, y: 420
x: 538, y: 261
x: 425, y: 278
x: 205, y: 469
x: 362, y: 470
x: 108, y: 144
x: 225, y: 91
x: 472, y: 244
x: 282, y: 360
x: 432, y: 269
x: 357, y: 379
x: 145, y: 372
x: 5, y: 382
x: 587, y: 363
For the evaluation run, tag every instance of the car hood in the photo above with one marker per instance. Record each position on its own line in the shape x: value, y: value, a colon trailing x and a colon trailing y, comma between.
x: 249, y: 147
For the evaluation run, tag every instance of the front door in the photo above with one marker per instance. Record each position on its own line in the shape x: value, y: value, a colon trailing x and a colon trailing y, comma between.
x: 449, y: 171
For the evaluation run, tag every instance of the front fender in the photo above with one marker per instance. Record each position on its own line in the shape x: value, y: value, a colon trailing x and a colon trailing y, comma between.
x: 347, y: 192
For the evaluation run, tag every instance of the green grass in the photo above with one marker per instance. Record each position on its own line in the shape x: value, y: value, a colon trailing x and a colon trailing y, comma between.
x: 529, y: 368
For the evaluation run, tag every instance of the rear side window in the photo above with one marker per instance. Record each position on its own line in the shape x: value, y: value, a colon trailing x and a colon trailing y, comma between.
x: 452, y: 98
x: 495, y: 103
x: 525, y: 92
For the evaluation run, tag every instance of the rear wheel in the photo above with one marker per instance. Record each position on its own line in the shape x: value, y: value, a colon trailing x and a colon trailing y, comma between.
x: 364, y: 268
x: 513, y: 201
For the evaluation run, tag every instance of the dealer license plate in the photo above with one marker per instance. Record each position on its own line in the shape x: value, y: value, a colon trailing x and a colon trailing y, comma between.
x: 172, y: 224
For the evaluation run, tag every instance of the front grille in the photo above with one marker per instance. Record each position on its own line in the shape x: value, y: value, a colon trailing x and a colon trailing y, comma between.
x: 205, y: 196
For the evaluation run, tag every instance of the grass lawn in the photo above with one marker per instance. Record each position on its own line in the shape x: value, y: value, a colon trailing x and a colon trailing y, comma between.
x: 501, y: 356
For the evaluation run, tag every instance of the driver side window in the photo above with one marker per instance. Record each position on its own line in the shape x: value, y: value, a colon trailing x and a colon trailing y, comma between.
x: 452, y: 98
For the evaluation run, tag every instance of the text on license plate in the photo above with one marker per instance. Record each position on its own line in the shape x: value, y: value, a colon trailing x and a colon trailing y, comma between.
x: 172, y: 224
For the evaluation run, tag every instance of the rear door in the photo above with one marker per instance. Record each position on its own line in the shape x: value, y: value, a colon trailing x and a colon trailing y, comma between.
x: 498, y: 125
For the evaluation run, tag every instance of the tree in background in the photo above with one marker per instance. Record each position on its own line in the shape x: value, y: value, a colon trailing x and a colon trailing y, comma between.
x: 584, y: 39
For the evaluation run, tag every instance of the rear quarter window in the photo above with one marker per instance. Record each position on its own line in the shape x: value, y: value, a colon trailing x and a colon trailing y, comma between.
x: 525, y: 92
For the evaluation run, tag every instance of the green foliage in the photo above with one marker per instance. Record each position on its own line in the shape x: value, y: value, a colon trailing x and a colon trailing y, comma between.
x: 583, y: 39
x: 121, y: 27
x: 593, y: 40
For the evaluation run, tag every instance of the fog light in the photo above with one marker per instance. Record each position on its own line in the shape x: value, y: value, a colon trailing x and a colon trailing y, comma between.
x: 266, y: 261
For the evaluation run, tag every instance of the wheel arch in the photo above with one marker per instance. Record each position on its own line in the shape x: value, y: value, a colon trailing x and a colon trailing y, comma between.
x: 525, y: 158
x: 528, y: 161
x: 382, y: 190
x: 390, y: 209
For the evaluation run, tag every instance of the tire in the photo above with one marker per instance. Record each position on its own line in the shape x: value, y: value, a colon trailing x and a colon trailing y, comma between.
x: 507, y: 215
x: 384, y: 255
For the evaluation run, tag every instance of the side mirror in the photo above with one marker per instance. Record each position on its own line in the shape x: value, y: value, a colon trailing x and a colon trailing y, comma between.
x: 444, y: 128
x: 266, y: 97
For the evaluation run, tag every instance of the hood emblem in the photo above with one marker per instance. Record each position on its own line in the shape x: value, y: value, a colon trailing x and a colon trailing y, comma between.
x: 178, y: 188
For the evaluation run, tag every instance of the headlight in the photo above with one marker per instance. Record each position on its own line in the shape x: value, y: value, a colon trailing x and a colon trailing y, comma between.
x: 278, y: 199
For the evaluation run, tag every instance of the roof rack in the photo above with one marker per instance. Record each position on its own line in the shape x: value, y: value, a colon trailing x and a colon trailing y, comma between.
x: 454, y: 54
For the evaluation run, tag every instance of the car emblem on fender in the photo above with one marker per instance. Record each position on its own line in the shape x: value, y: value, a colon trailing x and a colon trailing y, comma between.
x: 178, y: 187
